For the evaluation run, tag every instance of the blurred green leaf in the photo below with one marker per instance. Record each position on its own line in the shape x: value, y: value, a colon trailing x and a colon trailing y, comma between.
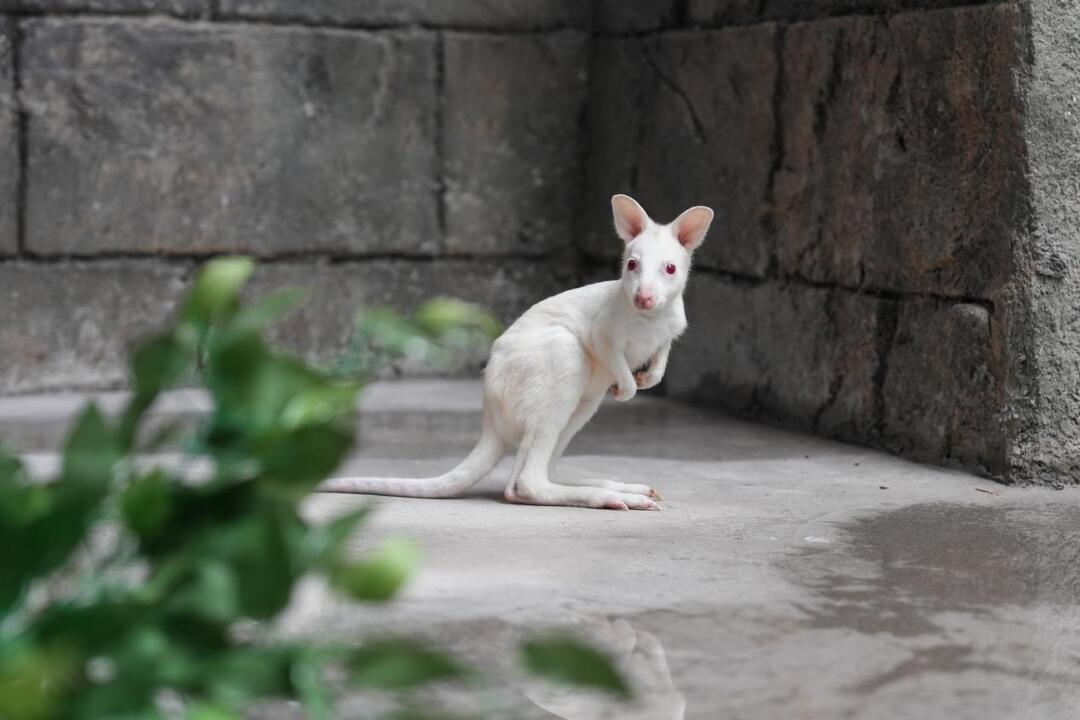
x: 53, y: 520
x: 379, y: 577
x: 412, y: 713
x: 314, y: 695
x: 441, y: 333
x: 440, y: 315
x: 33, y: 681
x: 260, y: 313
x: 20, y: 501
x: 171, y: 602
x: 320, y: 405
x: 205, y: 711
x: 242, y: 675
x: 256, y: 549
x: 395, y: 664
x: 159, y: 363
x: 216, y: 289
x: 326, y: 542
x: 212, y: 593
x: 156, y: 364
x: 306, y: 456
x: 90, y: 454
x: 147, y: 503
x: 566, y: 660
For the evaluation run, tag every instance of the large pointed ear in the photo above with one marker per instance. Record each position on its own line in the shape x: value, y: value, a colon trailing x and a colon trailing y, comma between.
x: 690, y: 227
x: 630, y: 218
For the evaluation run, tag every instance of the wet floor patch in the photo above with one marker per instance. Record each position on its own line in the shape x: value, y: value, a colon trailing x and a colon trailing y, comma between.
x: 909, y: 565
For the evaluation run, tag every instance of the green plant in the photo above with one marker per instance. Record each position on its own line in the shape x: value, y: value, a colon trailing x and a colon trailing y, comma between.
x: 126, y: 589
x: 441, y: 333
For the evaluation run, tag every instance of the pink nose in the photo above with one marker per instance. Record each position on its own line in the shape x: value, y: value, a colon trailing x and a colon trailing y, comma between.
x: 644, y: 301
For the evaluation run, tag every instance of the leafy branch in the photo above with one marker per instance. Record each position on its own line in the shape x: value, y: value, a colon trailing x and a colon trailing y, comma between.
x: 150, y: 625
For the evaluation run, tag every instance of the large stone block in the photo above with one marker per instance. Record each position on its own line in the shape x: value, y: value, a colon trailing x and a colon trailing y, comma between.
x: 162, y: 136
x: 9, y: 149
x: 173, y: 7
x: 1044, y: 335
x: 804, y: 355
x: 942, y: 385
x: 902, y: 161
x: 70, y: 325
x: 708, y: 138
x: 512, y: 144
x: 470, y: 14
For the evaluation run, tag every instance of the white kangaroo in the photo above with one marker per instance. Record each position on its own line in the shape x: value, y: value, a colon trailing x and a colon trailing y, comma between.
x: 549, y: 371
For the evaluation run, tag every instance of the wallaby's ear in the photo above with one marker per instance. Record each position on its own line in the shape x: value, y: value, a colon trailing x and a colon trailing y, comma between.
x: 690, y: 227
x: 630, y: 218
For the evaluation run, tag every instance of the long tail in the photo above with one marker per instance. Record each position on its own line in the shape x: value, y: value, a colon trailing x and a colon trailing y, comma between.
x: 483, y: 458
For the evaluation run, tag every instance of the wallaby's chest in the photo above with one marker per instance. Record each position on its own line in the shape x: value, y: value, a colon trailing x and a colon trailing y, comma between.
x: 645, y: 338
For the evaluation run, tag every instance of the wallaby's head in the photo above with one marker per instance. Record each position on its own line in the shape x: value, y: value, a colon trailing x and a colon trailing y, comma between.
x: 656, y: 261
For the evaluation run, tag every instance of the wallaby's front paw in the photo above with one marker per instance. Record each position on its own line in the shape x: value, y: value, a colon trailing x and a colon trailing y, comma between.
x: 622, y: 394
x: 646, y: 379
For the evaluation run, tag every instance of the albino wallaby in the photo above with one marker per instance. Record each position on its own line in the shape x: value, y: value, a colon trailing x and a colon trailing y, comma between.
x: 549, y: 371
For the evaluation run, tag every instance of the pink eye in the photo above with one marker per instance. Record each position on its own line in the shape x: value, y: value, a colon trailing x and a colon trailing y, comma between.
x: 631, y: 264
x: 670, y: 268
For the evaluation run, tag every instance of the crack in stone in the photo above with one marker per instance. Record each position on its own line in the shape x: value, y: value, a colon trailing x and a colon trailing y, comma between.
x: 837, y: 381
x: 700, y: 134
x: 440, y: 137
x: 888, y: 320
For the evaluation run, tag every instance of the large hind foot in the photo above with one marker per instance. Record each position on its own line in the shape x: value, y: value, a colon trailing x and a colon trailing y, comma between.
x: 607, y: 484
x: 575, y: 496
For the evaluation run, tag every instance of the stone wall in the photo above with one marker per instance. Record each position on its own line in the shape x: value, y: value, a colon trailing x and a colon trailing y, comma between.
x: 897, y: 226
x: 373, y: 152
x: 894, y: 261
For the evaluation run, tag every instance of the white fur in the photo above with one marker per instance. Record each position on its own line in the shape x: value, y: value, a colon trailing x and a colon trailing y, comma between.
x: 549, y: 371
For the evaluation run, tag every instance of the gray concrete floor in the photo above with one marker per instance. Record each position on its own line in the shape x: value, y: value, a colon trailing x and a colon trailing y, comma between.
x: 787, y: 577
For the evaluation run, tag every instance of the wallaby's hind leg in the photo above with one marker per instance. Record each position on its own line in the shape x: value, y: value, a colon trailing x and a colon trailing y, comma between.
x: 532, y: 485
x: 584, y: 412
x: 547, y: 389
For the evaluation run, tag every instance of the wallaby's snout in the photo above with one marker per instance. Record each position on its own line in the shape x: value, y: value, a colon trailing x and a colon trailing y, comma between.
x: 644, y: 300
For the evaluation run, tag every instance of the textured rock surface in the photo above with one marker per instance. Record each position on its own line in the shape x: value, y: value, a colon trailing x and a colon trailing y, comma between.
x: 617, y: 16
x: 512, y: 141
x: 71, y: 325
x: 941, y: 391
x: 1044, y: 343
x: 496, y: 14
x: 175, y: 7
x: 804, y: 355
x: 811, y: 9
x: 893, y: 262
x: 266, y: 140
x: 714, y: 13
x: 695, y: 112
x: 902, y: 156
x: 723, y: 12
x: 9, y: 153
x: 709, y: 127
